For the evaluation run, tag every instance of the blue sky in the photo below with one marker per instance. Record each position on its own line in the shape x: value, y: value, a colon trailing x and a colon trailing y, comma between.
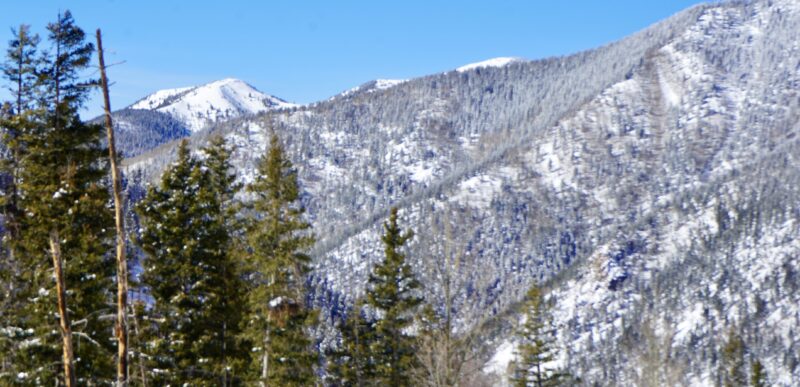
x: 305, y: 51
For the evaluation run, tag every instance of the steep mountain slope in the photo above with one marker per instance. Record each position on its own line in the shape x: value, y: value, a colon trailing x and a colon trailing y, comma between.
x: 652, y: 184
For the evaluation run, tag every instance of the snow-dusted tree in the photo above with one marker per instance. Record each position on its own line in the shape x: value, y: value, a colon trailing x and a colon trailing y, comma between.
x: 277, y: 237
x: 64, y: 234
x: 19, y: 70
x: 227, y: 320
x: 537, y: 347
x: 392, y: 295
x: 351, y: 364
x: 190, y: 274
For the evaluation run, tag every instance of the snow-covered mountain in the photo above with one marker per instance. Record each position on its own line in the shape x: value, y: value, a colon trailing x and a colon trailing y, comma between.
x: 199, y: 106
x: 652, y: 185
x: 176, y: 113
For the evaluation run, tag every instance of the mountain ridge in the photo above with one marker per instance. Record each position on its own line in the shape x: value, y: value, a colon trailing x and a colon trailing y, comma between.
x: 619, y: 176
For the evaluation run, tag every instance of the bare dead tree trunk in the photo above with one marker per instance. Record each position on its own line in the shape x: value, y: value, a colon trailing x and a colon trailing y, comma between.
x: 66, y: 329
x: 121, y: 330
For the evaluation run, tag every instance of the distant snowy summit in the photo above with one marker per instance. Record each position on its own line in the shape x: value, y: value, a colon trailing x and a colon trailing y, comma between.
x: 494, y: 62
x: 217, y: 101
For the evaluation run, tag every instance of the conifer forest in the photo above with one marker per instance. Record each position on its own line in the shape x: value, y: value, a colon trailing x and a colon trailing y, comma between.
x: 627, y: 215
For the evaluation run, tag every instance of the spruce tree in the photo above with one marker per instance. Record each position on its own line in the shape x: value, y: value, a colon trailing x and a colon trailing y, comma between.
x: 19, y: 70
x: 758, y: 375
x: 732, y: 370
x: 229, y: 311
x: 277, y: 236
x: 351, y: 364
x: 537, y: 347
x: 66, y: 226
x: 392, y: 295
x: 189, y: 273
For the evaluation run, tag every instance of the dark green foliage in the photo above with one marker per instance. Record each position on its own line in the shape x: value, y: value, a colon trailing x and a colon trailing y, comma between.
x: 277, y: 236
x: 190, y: 274
x: 537, y: 346
x: 228, y: 313
x: 20, y: 68
x: 61, y: 75
x: 758, y: 375
x: 732, y: 370
x: 351, y: 364
x: 60, y: 170
x: 19, y: 71
x: 392, y: 295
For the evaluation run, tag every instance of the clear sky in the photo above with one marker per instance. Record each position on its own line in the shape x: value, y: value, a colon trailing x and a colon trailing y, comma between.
x: 305, y: 51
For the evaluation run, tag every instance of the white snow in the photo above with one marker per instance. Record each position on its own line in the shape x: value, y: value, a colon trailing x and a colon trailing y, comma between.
x: 691, y: 318
x: 275, y: 302
x: 219, y: 100
x: 494, y: 62
x: 381, y: 84
x: 478, y: 191
x: 499, y: 362
x: 155, y: 100
x: 369, y: 87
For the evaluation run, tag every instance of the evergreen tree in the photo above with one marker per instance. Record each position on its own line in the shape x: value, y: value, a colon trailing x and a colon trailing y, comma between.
x: 351, y: 363
x: 66, y: 225
x: 15, y: 117
x: 20, y: 71
x: 20, y: 68
x: 537, y: 348
x: 733, y: 366
x: 189, y: 273
x: 228, y: 317
x: 277, y: 235
x: 392, y: 295
x: 758, y: 375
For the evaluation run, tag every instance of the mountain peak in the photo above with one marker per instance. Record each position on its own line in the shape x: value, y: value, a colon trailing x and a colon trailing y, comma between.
x: 212, y: 102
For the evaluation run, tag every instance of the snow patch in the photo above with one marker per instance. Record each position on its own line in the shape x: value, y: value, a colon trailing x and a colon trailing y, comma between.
x: 494, y: 62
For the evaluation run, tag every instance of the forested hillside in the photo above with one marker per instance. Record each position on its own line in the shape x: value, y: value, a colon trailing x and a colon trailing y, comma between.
x: 626, y: 215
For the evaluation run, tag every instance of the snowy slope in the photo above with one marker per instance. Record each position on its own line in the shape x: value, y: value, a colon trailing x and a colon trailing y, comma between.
x: 217, y: 101
x: 371, y: 86
x: 651, y: 184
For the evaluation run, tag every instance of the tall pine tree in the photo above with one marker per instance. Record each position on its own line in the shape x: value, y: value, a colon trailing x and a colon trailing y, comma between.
x: 277, y: 236
x: 537, y: 347
x: 392, y: 295
x: 66, y: 224
x: 190, y: 274
x: 19, y: 70
x: 229, y: 311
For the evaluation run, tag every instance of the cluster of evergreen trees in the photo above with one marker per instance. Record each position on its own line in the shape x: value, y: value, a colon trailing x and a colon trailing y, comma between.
x: 223, y: 279
x: 57, y: 270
